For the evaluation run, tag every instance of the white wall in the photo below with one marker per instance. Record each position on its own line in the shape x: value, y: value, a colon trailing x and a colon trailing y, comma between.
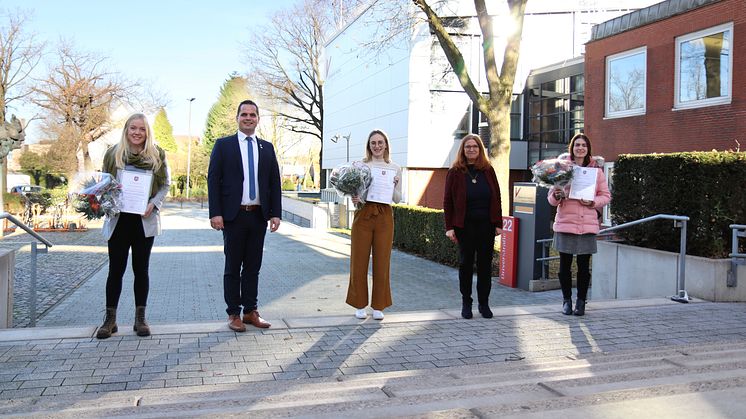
x: 364, y: 91
x: 394, y: 89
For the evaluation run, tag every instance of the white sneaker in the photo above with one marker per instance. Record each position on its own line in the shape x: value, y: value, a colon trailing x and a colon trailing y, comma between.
x: 377, y: 315
x: 361, y: 313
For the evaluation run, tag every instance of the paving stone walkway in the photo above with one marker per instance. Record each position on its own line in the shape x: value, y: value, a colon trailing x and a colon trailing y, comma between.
x: 305, y: 273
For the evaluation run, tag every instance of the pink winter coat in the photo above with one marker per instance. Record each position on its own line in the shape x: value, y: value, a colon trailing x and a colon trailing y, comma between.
x: 576, y: 218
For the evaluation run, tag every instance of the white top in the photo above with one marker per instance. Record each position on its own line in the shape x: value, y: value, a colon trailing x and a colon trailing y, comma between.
x: 243, y: 142
x: 392, y: 166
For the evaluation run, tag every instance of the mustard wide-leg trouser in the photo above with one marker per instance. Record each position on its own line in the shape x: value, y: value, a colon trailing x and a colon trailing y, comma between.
x: 372, y: 228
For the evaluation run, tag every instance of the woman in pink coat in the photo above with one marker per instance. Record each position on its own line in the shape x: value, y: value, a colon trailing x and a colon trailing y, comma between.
x: 576, y: 225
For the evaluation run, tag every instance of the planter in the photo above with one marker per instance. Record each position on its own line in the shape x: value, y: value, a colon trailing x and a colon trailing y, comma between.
x: 624, y: 272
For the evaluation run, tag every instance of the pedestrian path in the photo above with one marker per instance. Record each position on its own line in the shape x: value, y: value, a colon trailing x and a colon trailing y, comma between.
x: 527, y: 360
x: 304, y: 274
x: 630, y: 358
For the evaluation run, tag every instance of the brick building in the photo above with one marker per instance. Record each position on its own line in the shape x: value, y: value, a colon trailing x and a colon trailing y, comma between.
x: 668, y: 78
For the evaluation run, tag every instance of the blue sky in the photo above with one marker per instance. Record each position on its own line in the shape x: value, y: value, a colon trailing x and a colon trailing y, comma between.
x: 185, y: 48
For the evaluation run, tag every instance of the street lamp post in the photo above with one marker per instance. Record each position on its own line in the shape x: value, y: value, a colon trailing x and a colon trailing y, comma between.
x: 338, y: 137
x: 348, y: 202
x: 189, y: 146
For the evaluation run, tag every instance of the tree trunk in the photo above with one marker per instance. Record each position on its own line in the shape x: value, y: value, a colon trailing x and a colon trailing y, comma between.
x: 322, y: 172
x: 499, y: 120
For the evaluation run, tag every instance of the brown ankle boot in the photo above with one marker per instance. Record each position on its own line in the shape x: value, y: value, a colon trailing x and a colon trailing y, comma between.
x: 110, y: 324
x: 141, y: 326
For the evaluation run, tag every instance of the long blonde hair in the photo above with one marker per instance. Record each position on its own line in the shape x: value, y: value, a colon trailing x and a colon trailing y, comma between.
x: 369, y: 154
x: 149, y: 152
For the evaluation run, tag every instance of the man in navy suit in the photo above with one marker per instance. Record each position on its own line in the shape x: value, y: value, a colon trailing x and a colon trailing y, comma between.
x: 243, y: 184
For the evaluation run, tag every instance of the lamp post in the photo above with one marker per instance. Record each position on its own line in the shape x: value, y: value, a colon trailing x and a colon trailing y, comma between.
x: 189, y: 145
x: 348, y: 203
x: 338, y: 137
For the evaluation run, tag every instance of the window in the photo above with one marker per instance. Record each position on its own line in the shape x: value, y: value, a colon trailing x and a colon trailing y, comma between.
x: 625, y: 83
x: 555, y: 114
x: 704, y: 68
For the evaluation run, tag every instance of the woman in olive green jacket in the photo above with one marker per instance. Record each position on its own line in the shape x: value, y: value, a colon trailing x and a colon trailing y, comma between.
x: 124, y: 231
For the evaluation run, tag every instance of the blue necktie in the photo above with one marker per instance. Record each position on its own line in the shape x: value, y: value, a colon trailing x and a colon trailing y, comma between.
x: 252, y: 188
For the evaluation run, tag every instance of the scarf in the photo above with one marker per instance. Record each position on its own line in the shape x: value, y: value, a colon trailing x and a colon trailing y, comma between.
x: 136, y: 160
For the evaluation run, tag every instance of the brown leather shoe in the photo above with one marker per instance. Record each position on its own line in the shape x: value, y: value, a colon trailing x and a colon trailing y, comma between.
x: 235, y: 324
x: 253, y: 318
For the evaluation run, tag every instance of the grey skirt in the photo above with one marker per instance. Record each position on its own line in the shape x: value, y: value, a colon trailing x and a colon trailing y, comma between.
x: 575, y: 244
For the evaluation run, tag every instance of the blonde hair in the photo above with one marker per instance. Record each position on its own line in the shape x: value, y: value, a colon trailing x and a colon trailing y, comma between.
x: 369, y: 154
x: 149, y: 152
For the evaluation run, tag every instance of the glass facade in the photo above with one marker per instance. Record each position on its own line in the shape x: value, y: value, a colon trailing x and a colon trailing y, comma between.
x: 554, y: 112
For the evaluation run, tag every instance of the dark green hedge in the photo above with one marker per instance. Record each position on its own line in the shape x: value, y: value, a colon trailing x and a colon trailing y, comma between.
x: 421, y: 231
x: 708, y: 187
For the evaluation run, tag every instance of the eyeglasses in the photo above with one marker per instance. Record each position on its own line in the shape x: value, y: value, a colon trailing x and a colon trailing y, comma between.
x: 471, y: 146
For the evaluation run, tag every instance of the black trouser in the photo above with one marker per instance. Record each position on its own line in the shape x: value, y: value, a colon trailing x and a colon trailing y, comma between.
x: 477, y: 237
x: 128, y: 234
x: 565, y: 275
x: 243, y: 246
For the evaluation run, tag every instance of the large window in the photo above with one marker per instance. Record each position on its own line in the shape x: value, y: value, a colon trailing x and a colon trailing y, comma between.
x: 704, y: 67
x: 625, y: 83
x: 555, y: 114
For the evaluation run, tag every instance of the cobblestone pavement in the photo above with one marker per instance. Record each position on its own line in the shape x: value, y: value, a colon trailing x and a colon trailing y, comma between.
x: 305, y: 273
x: 210, y: 354
x: 74, y: 257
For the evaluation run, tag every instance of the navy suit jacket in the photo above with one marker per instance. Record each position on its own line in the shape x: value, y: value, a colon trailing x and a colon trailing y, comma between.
x: 225, y: 179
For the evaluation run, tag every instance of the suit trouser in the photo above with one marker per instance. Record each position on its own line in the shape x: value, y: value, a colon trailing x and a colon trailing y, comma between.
x: 128, y: 234
x: 372, y: 229
x: 477, y: 237
x: 243, y: 245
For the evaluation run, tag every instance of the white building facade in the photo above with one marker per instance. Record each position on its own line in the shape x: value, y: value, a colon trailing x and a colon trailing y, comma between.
x: 407, y: 90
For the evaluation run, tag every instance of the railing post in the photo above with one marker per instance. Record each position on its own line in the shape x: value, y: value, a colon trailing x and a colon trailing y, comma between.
x: 32, y: 303
x: 736, y: 258
x: 682, y: 296
x: 731, y: 281
x: 543, y: 262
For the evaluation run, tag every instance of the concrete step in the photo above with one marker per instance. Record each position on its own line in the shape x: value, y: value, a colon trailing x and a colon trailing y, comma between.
x: 485, y: 390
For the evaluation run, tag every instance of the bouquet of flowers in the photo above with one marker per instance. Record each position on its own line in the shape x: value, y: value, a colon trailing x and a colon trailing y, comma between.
x: 552, y: 172
x: 97, y: 195
x: 351, y: 179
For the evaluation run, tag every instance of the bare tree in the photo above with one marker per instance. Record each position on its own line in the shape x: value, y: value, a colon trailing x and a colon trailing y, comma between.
x: 285, y: 62
x: 79, y: 95
x: 20, y: 53
x: 496, y: 105
x: 626, y: 91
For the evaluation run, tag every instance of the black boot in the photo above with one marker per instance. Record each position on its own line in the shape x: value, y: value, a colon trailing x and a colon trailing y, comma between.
x: 466, y: 310
x: 567, y: 307
x: 579, y: 307
x: 485, y: 310
x: 110, y: 324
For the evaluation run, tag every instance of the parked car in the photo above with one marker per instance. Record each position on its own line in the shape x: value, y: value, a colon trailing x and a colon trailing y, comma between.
x: 26, y: 189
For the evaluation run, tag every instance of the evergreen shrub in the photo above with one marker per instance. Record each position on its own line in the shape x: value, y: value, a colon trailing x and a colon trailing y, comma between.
x: 421, y: 231
x: 708, y: 187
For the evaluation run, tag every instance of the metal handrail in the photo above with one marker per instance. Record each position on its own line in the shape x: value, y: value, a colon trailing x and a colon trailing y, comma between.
x: 25, y: 228
x: 34, y: 251
x: 545, y: 258
x: 679, y: 222
x: 736, y: 258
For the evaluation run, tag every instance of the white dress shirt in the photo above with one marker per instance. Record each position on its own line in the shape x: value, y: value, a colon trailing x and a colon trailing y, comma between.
x: 243, y: 142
